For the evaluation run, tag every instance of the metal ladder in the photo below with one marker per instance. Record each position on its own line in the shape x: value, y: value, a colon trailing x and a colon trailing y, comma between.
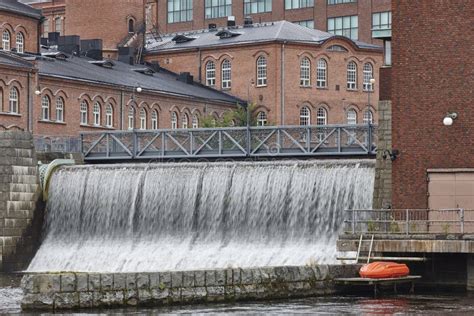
x: 361, y: 240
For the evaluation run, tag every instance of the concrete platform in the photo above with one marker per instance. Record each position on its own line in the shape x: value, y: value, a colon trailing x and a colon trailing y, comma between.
x: 380, y: 282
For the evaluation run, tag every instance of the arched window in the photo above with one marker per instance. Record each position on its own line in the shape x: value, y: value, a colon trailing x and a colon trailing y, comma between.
x: 368, y: 117
x: 58, y: 25
x: 195, y: 121
x: 261, y: 71
x: 184, y: 121
x: 210, y: 73
x: 6, y: 40
x: 20, y: 43
x: 305, y: 72
x: 59, y: 110
x: 45, y: 107
x: 226, y: 74
x: 321, y: 74
x: 131, y: 117
x: 262, y: 119
x: 109, y: 116
x: 45, y: 28
x: 368, y: 74
x: 351, y: 76
x: 13, y: 108
x: 321, y: 117
x: 351, y: 117
x: 131, y: 26
x: 84, y: 109
x: 142, y: 119
x: 174, y: 120
x: 96, y: 113
x: 305, y: 116
x: 154, y: 120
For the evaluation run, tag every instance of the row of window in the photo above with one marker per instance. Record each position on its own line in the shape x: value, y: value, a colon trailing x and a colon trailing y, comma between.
x: 305, y: 74
x: 7, y: 41
x: 322, y: 116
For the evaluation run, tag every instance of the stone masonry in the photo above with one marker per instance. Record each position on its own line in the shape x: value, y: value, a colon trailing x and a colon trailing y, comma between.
x: 19, y: 192
x: 383, y: 167
x: 58, y: 291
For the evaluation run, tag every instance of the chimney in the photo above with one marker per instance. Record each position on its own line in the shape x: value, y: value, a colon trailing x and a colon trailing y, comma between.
x: 186, y: 77
x: 154, y: 65
x: 130, y: 61
x: 231, y: 21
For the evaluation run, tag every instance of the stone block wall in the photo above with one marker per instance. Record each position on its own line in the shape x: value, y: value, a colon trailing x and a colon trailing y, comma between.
x: 19, y: 193
x: 58, y: 291
x: 383, y: 167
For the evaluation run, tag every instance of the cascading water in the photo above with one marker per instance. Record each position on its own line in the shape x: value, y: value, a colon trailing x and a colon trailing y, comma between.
x: 126, y: 218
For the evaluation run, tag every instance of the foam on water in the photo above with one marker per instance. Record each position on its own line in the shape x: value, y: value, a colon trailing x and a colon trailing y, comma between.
x: 126, y: 218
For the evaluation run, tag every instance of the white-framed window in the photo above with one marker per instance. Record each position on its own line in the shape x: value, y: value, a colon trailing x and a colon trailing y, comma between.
x: 46, y: 28
x: 154, y: 119
x: 195, y: 121
x: 382, y: 20
x: 180, y: 11
x: 351, y: 76
x: 261, y: 71
x: 297, y: 4
x: 45, y: 108
x: 306, y: 23
x: 257, y: 6
x: 131, y: 117
x: 226, y: 74
x: 20, y: 43
x: 83, y: 108
x: 59, y: 110
x: 13, y: 101
x: 58, y: 25
x: 174, y: 120
x: 368, y: 117
x: 184, y: 121
x: 262, y: 119
x: 96, y: 113
x: 305, y: 72
x: 109, y: 116
x: 322, y: 73
x: 368, y: 74
x: 347, y: 26
x: 218, y: 8
x: 305, y: 116
x: 322, y: 117
x: 210, y: 73
x: 351, y: 117
x: 6, y: 40
x: 142, y: 119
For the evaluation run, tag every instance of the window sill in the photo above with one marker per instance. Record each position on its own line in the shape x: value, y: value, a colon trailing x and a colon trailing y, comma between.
x: 51, y: 122
x: 306, y: 87
x: 262, y: 86
x: 322, y: 88
x: 96, y: 126
x: 352, y: 90
x: 10, y: 114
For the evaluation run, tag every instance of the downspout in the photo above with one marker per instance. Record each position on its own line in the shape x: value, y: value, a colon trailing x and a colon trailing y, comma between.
x: 29, y: 103
x: 200, y: 66
x: 121, y: 109
x: 282, y: 85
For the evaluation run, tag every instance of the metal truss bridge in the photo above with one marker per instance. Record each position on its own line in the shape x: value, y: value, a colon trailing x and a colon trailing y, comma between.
x: 233, y: 142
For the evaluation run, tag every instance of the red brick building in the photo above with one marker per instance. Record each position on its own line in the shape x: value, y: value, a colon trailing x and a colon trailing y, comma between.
x: 352, y: 18
x: 293, y: 74
x: 432, y: 77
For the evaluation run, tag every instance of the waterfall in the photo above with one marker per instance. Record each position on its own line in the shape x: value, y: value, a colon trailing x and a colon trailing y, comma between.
x: 187, y: 216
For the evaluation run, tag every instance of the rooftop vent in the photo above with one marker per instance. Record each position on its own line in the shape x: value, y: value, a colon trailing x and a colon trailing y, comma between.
x: 145, y: 71
x: 181, y: 38
x: 186, y: 78
x: 231, y: 21
x: 103, y: 63
x: 212, y: 27
x: 227, y: 34
x: 248, y: 22
x: 55, y: 55
x: 154, y: 65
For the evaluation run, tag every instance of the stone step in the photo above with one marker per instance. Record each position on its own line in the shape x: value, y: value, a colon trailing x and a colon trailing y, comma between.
x: 25, y: 179
x: 22, y: 196
x: 24, y: 170
x: 23, y: 188
x: 20, y: 205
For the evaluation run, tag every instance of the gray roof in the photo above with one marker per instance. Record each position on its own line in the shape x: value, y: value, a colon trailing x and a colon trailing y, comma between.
x: 264, y: 32
x: 20, y: 8
x: 122, y: 74
x: 10, y: 59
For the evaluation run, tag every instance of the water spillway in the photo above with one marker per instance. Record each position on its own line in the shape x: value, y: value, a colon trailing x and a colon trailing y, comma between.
x: 188, y: 216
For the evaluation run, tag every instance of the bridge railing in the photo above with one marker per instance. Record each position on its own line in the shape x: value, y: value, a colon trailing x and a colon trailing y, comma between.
x: 234, y: 142
x: 409, y: 221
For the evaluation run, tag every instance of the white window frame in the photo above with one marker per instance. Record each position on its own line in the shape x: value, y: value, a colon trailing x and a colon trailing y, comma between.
x: 154, y: 120
x: 45, y: 108
x: 13, y: 101
x: 368, y: 117
x: 58, y: 25
x: 185, y: 121
x: 109, y: 116
x: 322, y: 116
x: 96, y: 113
x: 45, y: 28
x: 305, y: 116
x: 226, y: 74
x: 131, y: 118
x: 195, y: 122
x: 6, y: 40
x: 20, y: 43
x: 351, y: 117
x: 368, y: 72
x: 174, y: 120
x: 351, y: 76
x: 84, y: 109
x: 180, y: 11
x: 211, y: 73
x: 305, y: 72
x: 262, y: 119
x: 60, y: 110
x: 143, y: 119
x: 322, y: 74
x: 261, y: 71
x: 214, y: 9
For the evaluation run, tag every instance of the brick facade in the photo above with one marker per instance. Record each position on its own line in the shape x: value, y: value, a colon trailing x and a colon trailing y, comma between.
x: 52, y: 10
x: 433, y: 72
x: 319, y: 13
x: 283, y: 107
x: 15, y: 24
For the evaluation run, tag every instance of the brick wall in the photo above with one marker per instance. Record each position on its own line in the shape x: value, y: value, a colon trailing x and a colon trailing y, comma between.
x: 433, y: 72
x: 14, y: 24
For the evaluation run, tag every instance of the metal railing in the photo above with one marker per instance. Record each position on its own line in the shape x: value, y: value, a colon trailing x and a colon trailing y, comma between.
x: 58, y: 144
x: 409, y: 221
x: 233, y: 142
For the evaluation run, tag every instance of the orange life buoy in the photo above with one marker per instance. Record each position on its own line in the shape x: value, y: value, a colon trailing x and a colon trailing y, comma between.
x: 381, y: 270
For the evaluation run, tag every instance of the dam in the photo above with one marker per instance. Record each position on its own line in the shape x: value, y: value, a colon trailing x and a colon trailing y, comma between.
x: 190, y: 216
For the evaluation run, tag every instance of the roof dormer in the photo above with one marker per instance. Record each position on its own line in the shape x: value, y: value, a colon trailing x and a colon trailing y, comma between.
x: 103, y: 63
x: 227, y: 34
x: 181, y: 38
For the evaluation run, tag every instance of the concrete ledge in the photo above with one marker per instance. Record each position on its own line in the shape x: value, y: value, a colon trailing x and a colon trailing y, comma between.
x: 59, y: 291
x: 410, y: 245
